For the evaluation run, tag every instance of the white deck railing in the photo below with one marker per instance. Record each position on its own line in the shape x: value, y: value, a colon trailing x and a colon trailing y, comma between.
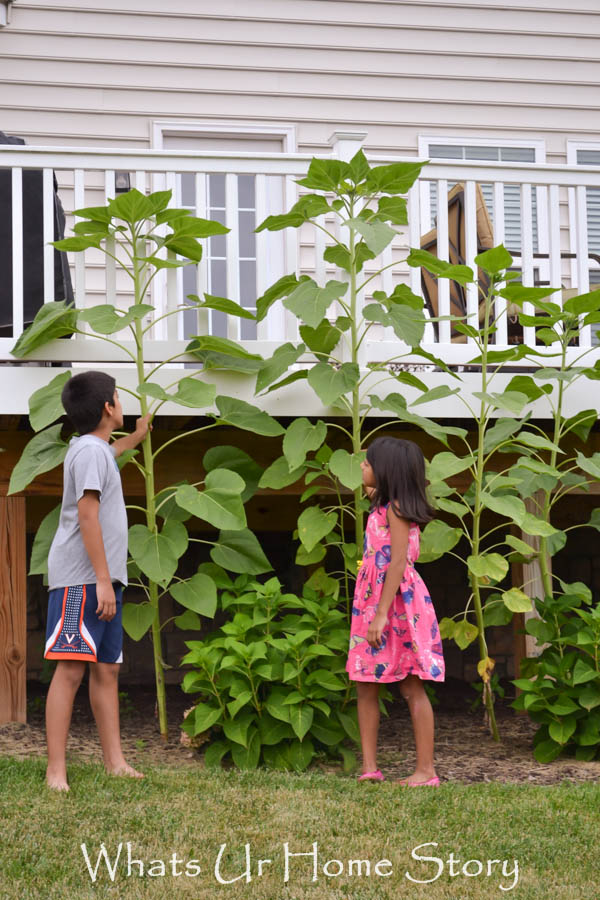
x: 241, y: 189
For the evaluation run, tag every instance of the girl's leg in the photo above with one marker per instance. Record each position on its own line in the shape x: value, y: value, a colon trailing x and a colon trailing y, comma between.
x: 104, y: 700
x: 59, y: 707
x: 367, y: 693
x: 421, y: 714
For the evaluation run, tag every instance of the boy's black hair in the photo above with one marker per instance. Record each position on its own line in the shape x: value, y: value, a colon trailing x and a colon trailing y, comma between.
x: 399, y: 470
x: 84, y: 396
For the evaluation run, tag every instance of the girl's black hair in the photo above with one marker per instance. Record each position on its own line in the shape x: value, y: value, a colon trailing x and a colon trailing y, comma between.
x: 84, y: 396
x: 399, y: 470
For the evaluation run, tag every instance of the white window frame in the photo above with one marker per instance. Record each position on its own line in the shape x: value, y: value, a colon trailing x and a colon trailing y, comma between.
x: 225, y: 128
x: 539, y: 148
x: 230, y: 128
x: 572, y: 148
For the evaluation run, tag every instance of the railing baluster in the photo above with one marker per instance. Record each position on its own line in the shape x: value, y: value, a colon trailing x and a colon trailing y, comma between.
x: 583, y: 271
x: 414, y: 240
x: 203, y: 323
x: 554, y: 242
x: 291, y: 257
x: 79, y: 258
x: 48, y: 234
x: 470, y: 254
x: 443, y: 284
x: 500, y: 302
x: 172, y: 279
x: 233, y: 250
x: 109, y: 263
x: 527, y: 257
x: 17, y: 251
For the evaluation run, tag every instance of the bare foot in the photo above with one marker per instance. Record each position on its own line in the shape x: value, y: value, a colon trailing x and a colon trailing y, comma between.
x: 418, y: 778
x: 125, y: 770
x: 57, y: 782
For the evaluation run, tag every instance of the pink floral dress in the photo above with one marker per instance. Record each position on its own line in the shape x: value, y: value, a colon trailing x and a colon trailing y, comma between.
x: 411, y: 643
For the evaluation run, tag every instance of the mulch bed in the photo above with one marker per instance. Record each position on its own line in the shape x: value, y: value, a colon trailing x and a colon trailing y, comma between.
x: 465, y: 751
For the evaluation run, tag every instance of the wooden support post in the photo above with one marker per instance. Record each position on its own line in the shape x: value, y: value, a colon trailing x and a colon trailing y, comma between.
x: 13, y: 610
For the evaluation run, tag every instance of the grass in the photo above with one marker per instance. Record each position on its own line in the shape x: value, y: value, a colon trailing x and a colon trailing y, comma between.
x: 552, y: 832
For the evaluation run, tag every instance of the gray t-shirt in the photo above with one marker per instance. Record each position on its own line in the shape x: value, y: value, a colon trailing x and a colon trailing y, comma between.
x: 89, y: 465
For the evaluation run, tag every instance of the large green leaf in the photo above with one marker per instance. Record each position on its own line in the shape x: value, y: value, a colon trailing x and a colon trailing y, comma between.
x: 325, y: 174
x: 104, y: 318
x: 377, y: 235
x: 193, y: 226
x: 44, y: 452
x: 281, y: 288
x: 517, y: 601
x: 488, y: 566
x: 284, y: 357
x: 394, y: 178
x: 194, y: 393
x: 244, y: 415
x: 300, y: 438
x: 464, y: 633
x: 42, y: 541
x: 418, y: 258
x: 439, y: 392
x: 240, y: 551
x: 397, y: 404
x: 209, y: 343
x: 330, y: 383
x: 247, y: 757
x: 45, y: 404
x: 132, y: 206
x: 278, y: 474
x: 157, y: 553
x: 445, y: 464
x: 198, y: 593
x: 53, y: 320
x: 306, y: 208
x: 437, y: 539
x: 590, y: 464
x: 220, y: 503
x: 309, y: 302
x: 511, y: 507
x: 222, y: 304
x: 137, y: 619
x: 322, y: 339
x: 408, y: 324
x: 235, y: 460
x: 494, y: 260
x: 314, y: 524
x: 301, y: 716
x: 346, y: 467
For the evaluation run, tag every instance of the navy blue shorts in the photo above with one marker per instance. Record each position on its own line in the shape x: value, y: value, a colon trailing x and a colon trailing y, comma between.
x: 74, y: 631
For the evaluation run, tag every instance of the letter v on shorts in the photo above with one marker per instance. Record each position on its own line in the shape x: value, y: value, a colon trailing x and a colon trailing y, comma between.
x: 74, y: 631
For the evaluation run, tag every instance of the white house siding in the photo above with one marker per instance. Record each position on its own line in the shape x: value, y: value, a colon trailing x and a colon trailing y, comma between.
x: 97, y: 74
x: 85, y: 73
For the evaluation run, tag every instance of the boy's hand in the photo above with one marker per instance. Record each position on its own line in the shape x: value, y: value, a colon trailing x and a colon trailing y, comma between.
x: 107, y: 603
x: 142, y: 425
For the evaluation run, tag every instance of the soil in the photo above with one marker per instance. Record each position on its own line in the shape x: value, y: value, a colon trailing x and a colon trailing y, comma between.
x: 465, y: 751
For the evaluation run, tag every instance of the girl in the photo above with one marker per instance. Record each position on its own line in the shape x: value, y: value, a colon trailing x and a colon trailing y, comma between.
x: 394, y: 633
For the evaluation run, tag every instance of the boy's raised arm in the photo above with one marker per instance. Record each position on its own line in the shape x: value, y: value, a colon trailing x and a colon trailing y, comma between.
x: 130, y: 441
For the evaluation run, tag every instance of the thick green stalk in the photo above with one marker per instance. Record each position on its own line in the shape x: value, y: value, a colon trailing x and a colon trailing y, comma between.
x: 150, y: 505
x: 542, y: 552
x: 356, y: 435
x: 477, y: 511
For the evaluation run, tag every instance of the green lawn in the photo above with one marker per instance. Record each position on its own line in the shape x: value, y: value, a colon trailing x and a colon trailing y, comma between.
x: 552, y: 832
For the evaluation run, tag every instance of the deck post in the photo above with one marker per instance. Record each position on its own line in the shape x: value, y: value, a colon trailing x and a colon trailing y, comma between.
x: 13, y: 610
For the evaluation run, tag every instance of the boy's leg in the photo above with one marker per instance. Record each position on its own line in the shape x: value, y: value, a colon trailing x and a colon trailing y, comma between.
x: 59, y: 707
x: 367, y: 693
x: 104, y: 700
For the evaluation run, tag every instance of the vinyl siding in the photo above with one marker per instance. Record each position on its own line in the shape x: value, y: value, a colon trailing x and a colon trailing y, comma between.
x: 80, y: 73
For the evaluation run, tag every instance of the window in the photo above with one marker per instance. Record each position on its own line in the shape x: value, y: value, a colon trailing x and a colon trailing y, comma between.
x: 231, y: 200
x: 456, y: 148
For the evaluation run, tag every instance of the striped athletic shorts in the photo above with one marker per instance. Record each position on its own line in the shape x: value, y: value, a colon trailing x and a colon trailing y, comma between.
x: 74, y: 631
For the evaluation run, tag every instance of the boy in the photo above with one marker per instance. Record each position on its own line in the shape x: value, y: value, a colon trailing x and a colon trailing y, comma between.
x: 87, y: 570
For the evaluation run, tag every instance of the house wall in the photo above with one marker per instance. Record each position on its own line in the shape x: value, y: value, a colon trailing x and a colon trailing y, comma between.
x: 76, y: 73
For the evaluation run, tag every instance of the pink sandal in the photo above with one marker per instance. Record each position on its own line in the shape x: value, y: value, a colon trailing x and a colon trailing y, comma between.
x: 372, y: 776
x: 432, y: 782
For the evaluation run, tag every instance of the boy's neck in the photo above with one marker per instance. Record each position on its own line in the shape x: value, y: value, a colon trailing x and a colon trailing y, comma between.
x: 103, y: 431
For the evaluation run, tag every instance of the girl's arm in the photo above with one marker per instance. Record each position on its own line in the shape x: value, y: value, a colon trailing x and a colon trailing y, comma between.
x: 399, y: 532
